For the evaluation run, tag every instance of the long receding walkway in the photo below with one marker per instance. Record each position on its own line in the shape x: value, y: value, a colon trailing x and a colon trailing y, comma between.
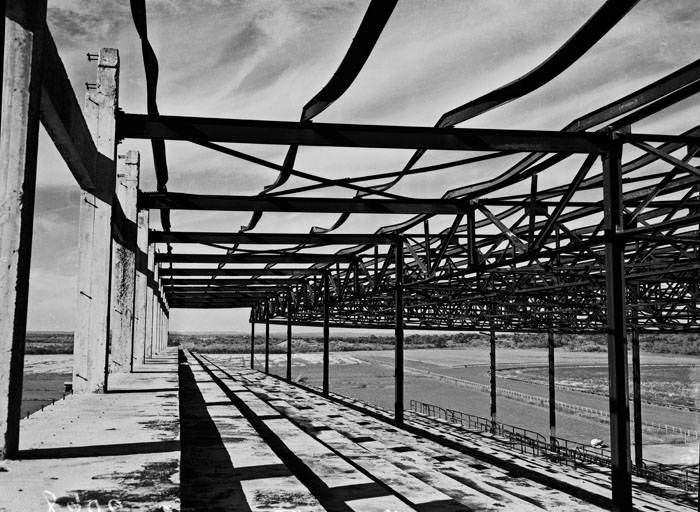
x: 185, y: 432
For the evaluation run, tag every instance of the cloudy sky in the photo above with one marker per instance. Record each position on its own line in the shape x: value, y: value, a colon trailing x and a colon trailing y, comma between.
x: 265, y: 59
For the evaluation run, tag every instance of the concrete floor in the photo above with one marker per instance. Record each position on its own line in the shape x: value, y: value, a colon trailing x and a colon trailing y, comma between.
x: 120, y: 447
x: 192, y: 435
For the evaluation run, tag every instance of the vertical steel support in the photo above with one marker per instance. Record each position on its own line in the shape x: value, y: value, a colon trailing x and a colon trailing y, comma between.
x: 552, y: 395
x: 19, y: 135
x: 616, y: 325
x: 289, y: 334
x: 492, y: 376
x: 398, y: 333
x: 141, y: 290
x: 637, y: 399
x: 90, y: 365
x: 252, y: 341
x: 326, y: 333
x: 124, y: 247
x: 267, y: 337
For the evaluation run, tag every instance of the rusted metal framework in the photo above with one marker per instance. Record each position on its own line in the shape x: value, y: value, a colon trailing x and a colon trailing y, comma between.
x: 610, y: 244
x: 613, y: 245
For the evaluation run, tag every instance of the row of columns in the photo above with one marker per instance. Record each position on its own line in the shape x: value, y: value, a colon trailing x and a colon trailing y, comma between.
x: 121, y: 315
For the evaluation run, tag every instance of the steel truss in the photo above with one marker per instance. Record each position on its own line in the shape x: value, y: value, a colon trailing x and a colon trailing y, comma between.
x: 614, y: 246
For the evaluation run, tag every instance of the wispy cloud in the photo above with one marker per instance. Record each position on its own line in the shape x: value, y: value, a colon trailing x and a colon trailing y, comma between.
x: 266, y: 59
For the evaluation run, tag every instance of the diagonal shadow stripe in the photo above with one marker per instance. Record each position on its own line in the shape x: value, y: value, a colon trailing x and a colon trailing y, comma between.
x: 102, y: 450
x: 208, y: 480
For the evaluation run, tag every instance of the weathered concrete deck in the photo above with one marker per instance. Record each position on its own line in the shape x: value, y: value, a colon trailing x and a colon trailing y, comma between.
x: 242, y: 441
x: 123, y: 445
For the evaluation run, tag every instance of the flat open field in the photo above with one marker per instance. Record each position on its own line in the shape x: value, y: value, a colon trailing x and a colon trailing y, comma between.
x: 368, y: 376
x: 44, y: 376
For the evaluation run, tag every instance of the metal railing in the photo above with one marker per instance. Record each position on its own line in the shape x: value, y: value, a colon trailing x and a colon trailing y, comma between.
x: 556, y: 449
x: 688, y: 435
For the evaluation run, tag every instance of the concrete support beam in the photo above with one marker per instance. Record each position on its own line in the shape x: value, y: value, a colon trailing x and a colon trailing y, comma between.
x: 124, y: 267
x: 95, y: 235
x: 141, y: 291
x: 19, y: 133
x: 155, y: 327
x: 150, y: 265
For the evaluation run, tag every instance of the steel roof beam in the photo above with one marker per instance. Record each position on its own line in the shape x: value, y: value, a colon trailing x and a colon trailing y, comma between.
x: 246, y: 131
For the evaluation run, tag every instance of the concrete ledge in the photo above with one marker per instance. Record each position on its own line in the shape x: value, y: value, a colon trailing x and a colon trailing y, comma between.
x: 92, y: 449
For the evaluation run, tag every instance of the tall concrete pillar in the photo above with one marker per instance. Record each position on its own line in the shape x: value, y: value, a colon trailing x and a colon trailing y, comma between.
x: 156, y: 312
x: 124, y: 264
x: 19, y: 132
x: 95, y: 234
x: 141, y: 290
x: 149, y: 301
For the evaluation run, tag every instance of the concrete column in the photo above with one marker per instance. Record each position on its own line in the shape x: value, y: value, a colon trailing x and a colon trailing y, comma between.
x: 156, y: 313
x: 149, y: 301
x: 124, y: 265
x: 141, y: 290
x: 19, y: 132
x: 95, y: 235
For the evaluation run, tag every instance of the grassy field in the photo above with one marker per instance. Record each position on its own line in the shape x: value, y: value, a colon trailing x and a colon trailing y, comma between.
x: 368, y: 376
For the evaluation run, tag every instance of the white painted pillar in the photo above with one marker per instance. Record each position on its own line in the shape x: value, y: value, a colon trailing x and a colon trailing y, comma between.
x: 156, y: 312
x: 141, y: 290
x: 19, y: 133
x: 149, y: 302
x: 95, y: 234
x: 124, y: 265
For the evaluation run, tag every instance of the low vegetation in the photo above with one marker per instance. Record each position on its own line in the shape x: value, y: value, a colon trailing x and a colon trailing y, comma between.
x: 689, y: 344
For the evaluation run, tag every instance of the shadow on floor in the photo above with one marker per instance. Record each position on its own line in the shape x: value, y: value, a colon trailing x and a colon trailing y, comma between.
x: 208, y: 481
x: 102, y: 450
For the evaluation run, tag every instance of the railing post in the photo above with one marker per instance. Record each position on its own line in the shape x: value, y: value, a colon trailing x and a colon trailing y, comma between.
x: 552, y: 395
x: 616, y: 325
x: 289, y: 334
x: 95, y: 234
x: 398, y: 334
x: 267, y: 336
x: 492, y: 375
x: 326, y: 334
x: 124, y: 249
x: 19, y: 134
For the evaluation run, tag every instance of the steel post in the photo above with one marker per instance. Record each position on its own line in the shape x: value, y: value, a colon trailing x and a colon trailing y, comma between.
x: 552, y: 396
x: 289, y: 335
x: 326, y: 332
x: 398, y: 332
x: 616, y: 325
